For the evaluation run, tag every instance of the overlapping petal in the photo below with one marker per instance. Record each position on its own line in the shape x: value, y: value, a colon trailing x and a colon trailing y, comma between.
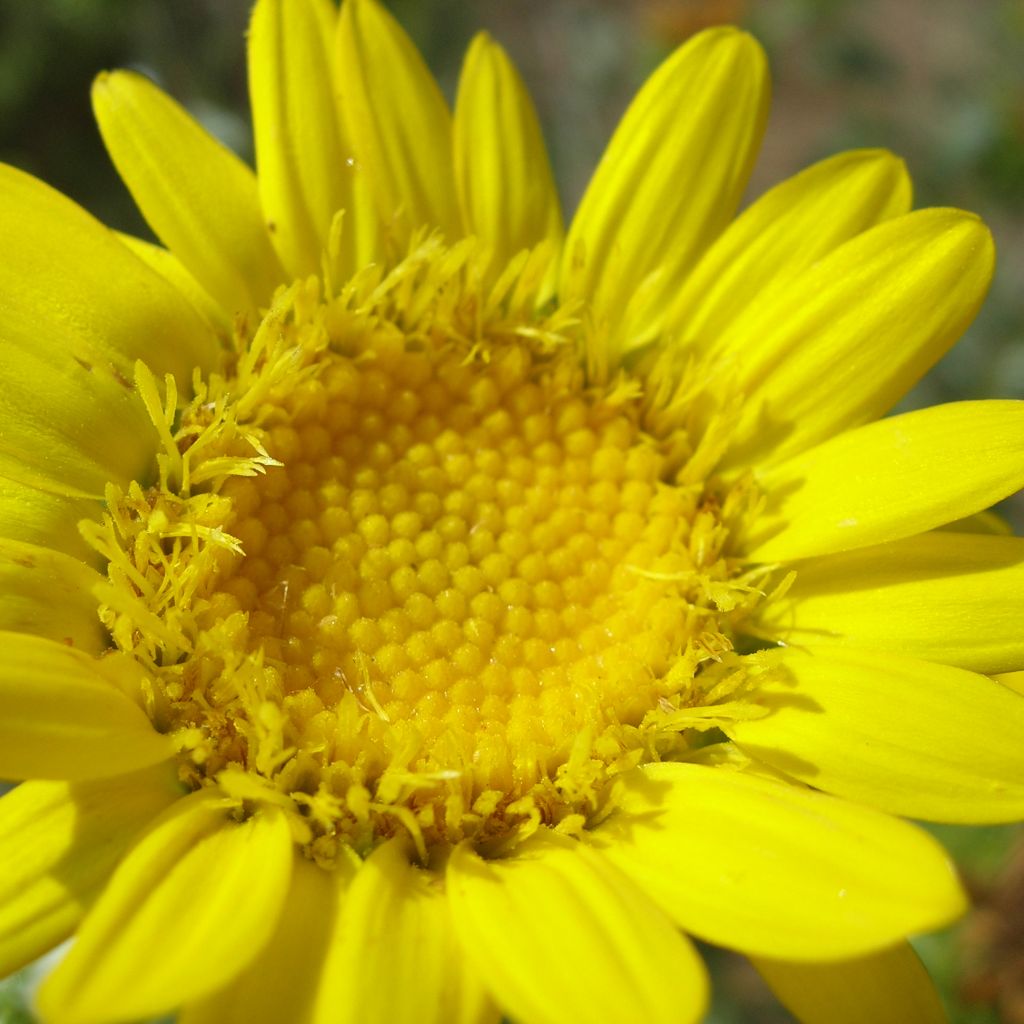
x: 281, y: 982
x: 558, y: 934
x: 891, y: 479
x: 211, y: 220
x: 79, y: 309
x: 61, y: 718
x: 911, y: 737
x: 304, y: 165
x: 191, y: 905
x: 34, y: 516
x: 890, y: 987
x: 1012, y: 680
x: 668, y: 183
x: 49, y: 594
x: 394, y: 956
x: 61, y: 842
x: 774, y: 870
x: 947, y: 597
x: 400, y: 124
x: 786, y: 231
x: 168, y: 266
x: 870, y: 318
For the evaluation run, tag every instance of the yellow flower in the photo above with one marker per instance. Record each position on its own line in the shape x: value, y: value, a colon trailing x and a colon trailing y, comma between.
x: 413, y: 615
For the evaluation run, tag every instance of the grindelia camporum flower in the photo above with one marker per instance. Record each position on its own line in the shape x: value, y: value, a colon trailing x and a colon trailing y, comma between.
x: 414, y: 613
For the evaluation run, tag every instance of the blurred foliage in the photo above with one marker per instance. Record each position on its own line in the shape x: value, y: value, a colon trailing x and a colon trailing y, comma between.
x: 14, y: 992
x: 940, y: 82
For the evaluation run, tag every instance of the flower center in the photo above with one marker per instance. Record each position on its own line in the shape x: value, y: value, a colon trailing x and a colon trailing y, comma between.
x: 464, y: 591
x: 454, y: 554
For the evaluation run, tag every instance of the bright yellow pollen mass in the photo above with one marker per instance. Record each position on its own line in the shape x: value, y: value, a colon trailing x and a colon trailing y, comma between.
x: 454, y: 591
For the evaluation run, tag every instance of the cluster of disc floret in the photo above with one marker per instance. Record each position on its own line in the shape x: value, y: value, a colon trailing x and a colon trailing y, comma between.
x: 409, y: 563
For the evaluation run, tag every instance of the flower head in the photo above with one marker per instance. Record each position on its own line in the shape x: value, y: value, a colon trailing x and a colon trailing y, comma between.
x: 414, y: 611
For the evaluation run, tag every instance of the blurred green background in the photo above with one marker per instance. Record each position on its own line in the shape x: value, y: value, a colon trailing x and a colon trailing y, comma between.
x: 941, y: 82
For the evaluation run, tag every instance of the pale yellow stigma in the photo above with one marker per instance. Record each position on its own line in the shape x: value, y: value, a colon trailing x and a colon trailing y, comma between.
x: 464, y: 590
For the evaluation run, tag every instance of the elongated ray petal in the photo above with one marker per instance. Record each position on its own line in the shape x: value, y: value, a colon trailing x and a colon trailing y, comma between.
x: 784, y: 232
x: 79, y: 309
x: 197, y: 196
x: 49, y: 594
x: 911, y: 737
x: 168, y: 266
x: 770, y: 869
x: 871, y: 318
x: 890, y: 987
x: 280, y: 983
x: 46, y: 400
x: 34, y: 516
x: 669, y: 181
x: 954, y: 598
x: 61, y: 841
x: 558, y: 934
x: 394, y: 957
x: 82, y: 289
x: 61, y: 718
x: 399, y: 122
x: 891, y: 479
x: 506, y: 188
x: 138, y: 954
x: 305, y: 174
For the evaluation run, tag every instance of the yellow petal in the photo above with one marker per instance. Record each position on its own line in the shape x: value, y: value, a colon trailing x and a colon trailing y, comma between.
x: 1013, y: 680
x: 506, y: 189
x: 395, y: 958
x: 34, y: 516
x: 169, y: 267
x: 326, y: 12
x: 558, y: 934
x: 866, y: 322
x: 85, y: 292
x: 196, y: 195
x: 947, y: 597
x: 787, y: 230
x: 773, y: 869
x: 981, y: 522
x: 304, y: 168
x: 399, y: 123
x: 891, y: 987
x: 61, y: 840
x: 891, y: 479
x: 189, y: 907
x: 49, y: 594
x: 910, y: 737
x: 280, y: 982
x: 68, y: 424
x: 79, y: 309
x: 361, y: 242
x: 60, y: 718
x: 669, y: 181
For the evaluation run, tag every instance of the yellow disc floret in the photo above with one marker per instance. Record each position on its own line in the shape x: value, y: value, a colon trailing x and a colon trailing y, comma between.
x: 425, y: 574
